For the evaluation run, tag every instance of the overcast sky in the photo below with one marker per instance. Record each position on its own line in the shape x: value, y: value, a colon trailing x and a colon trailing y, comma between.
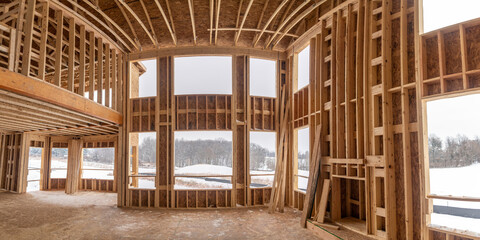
x: 452, y: 116
x: 442, y: 13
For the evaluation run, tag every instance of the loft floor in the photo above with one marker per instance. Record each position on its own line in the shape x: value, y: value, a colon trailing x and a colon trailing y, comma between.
x: 93, y: 215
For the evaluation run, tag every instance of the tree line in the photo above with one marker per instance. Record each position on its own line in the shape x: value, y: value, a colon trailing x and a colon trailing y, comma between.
x: 456, y: 151
x: 213, y: 152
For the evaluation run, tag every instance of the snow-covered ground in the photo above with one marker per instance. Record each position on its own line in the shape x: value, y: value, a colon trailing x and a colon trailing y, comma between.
x: 302, y: 182
x: 459, y: 181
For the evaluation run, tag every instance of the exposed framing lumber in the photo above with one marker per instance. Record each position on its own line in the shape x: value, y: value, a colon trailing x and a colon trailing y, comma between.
x: 71, y: 54
x: 252, y: 30
x: 23, y: 85
x: 192, y: 18
x: 171, y: 29
x: 106, y: 17
x: 27, y: 53
x: 99, y: 71
x: 130, y: 10
x: 245, y: 14
x: 298, y: 19
x: 58, y: 48
x: 127, y: 19
x: 149, y: 22
x: 211, y: 19
x: 217, y: 20
x: 282, y: 24
x: 81, y: 69
x: 43, y: 41
x: 277, y: 10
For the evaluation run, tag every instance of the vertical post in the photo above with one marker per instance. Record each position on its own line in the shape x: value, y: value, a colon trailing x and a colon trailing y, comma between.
x: 27, y: 45
x: 91, y: 67
x: 58, y: 48
x: 107, y: 75
x: 81, y: 69
x: 99, y: 70
x: 43, y: 41
x: 71, y: 54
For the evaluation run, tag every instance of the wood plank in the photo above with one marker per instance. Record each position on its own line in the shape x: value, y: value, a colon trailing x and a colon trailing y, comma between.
x: 313, y: 178
x: 322, y: 207
x: 40, y: 90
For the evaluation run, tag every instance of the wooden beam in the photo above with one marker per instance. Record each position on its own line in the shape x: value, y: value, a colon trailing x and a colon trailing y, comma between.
x: 237, y: 35
x: 277, y: 10
x: 81, y: 68
x: 127, y: 19
x: 99, y: 70
x: 298, y: 19
x: 251, y: 30
x: 91, y: 64
x: 107, y: 75
x: 68, y: 12
x: 219, y: 2
x: 27, y: 45
x: 211, y: 19
x: 282, y: 24
x: 43, y: 41
x: 107, y: 18
x: 172, y: 32
x: 58, y: 48
x: 71, y: 54
x: 49, y: 93
x: 192, y: 18
x: 130, y: 10
x: 149, y: 22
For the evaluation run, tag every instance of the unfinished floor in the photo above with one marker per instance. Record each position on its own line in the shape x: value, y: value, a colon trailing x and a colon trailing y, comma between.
x: 93, y: 215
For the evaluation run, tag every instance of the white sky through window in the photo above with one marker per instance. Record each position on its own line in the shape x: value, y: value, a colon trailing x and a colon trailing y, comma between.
x: 203, y: 75
x: 441, y: 13
x: 262, y: 77
x: 303, y: 68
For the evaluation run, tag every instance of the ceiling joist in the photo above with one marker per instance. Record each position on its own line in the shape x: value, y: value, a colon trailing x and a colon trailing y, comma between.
x: 192, y: 17
x: 270, y: 20
x: 172, y: 32
x: 237, y: 36
x: 130, y: 10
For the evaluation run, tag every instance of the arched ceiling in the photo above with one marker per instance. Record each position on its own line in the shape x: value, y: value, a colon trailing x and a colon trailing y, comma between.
x: 149, y: 24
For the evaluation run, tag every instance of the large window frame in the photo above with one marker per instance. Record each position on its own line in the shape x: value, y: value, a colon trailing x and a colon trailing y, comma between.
x: 231, y: 176
x: 52, y: 169
x: 426, y: 159
x: 134, y: 174
x: 296, y: 71
x: 296, y: 175
x: 83, y: 169
x: 250, y: 174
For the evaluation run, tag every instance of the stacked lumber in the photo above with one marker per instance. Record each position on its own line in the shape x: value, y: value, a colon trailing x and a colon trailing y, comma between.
x: 313, y: 177
x: 73, y: 165
x: 277, y: 197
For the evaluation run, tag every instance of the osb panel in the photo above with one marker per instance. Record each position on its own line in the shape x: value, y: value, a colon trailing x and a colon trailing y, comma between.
x: 416, y: 201
x: 432, y: 58
x: 399, y: 184
x: 202, y: 199
x: 396, y: 60
x: 453, y: 59
x: 221, y: 199
x: 411, y: 47
x: 212, y: 199
x: 473, y: 47
x: 192, y: 198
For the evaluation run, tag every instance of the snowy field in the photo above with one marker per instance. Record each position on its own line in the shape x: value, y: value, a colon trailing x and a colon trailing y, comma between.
x: 456, y: 182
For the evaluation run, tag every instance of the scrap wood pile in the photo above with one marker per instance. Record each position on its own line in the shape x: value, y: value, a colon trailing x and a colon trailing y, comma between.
x: 277, y: 197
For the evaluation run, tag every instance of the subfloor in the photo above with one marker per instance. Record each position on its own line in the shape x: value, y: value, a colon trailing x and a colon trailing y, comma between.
x: 93, y: 215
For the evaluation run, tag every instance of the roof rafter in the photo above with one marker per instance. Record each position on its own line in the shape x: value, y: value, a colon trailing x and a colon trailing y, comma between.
x: 237, y: 36
x: 130, y: 10
x: 149, y: 22
x: 172, y: 32
x: 192, y: 17
x: 270, y: 20
x: 298, y: 19
x: 211, y: 19
x: 219, y: 2
x: 282, y: 24
x: 107, y: 18
x: 128, y: 22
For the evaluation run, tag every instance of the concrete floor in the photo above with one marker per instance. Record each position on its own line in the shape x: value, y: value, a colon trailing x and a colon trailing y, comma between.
x: 93, y: 215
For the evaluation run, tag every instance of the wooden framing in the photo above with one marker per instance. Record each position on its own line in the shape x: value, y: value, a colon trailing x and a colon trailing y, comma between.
x: 370, y: 76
